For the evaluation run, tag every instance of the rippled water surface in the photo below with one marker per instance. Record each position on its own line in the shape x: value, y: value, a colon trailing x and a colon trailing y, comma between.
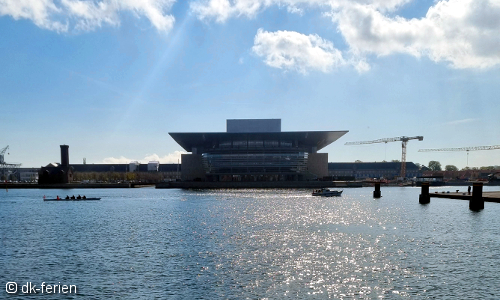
x: 255, y: 244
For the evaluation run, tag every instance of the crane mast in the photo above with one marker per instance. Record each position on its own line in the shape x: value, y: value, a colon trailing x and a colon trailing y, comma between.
x: 404, y: 141
x: 403, y: 158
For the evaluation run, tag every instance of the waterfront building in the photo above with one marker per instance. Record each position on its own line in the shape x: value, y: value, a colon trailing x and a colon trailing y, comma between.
x: 133, y: 166
x: 366, y: 170
x: 255, y: 150
x: 57, y: 173
x: 125, y: 168
x: 153, y: 166
x: 27, y: 174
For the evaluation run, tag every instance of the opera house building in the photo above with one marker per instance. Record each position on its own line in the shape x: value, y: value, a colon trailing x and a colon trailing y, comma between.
x: 254, y: 150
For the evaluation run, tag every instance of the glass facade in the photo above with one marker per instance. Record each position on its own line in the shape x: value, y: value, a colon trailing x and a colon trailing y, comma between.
x: 255, y: 163
x: 254, y: 157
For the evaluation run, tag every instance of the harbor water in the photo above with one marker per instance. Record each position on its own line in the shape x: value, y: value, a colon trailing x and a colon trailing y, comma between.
x: 250, y: 244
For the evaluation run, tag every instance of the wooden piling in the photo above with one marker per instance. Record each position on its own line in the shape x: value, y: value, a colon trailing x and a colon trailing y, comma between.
x: 424, y: 197
x: 476, y: 201
x: 376, y: 192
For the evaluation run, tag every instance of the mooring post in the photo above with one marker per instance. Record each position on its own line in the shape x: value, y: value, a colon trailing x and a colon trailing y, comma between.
x: 424, y: 197
x: 376, y: 192
x: 476, y: 201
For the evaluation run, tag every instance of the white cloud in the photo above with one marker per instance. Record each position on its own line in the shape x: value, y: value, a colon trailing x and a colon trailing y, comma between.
x: 458, y: 122
x: 222, y: 10
x: 39, y: 12
x: 84, y: 15
x: 170, y: 158
x: 290, y: 50
x: 295, y: 10
x: 166, y: 159
x: 114, y: 160
x: 463, y: 33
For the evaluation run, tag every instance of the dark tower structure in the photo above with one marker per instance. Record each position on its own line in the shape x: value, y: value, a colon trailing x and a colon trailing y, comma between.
x: 64, y: 156
x: 57, y: 173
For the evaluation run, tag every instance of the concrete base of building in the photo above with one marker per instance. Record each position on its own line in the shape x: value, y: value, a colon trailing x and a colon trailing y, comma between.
x: 257, y: 185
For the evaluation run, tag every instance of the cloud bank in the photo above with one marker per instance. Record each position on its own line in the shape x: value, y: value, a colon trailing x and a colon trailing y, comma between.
x: 460, y: 33
x: 171, y: 158
x: 82, y: 15
x: 222, y: 10
x: 463, y: 33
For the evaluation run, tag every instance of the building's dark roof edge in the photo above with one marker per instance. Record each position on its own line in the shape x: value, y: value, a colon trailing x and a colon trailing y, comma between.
x: 259, y: 132
x: 320, y: 139
x: 371, y: 162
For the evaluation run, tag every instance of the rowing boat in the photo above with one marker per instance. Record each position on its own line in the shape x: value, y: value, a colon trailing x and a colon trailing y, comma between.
x: 62, y: 199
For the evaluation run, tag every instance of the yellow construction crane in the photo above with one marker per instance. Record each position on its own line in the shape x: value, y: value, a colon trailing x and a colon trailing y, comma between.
x: 477, y: 148
x: 403, y: 139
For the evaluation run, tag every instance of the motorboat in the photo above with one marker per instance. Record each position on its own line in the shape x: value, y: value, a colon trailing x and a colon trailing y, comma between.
x: 327, y: 193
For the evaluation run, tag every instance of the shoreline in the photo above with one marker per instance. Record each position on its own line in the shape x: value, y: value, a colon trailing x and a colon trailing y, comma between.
x: 257, y: 184
x: 216, y: 185
x: 74, y: 185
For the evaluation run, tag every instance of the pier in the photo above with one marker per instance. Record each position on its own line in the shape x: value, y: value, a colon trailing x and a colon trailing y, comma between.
x: 476, y: 198
x: 487, y: 196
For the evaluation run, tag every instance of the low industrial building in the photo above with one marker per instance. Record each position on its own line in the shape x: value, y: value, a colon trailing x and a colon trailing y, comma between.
x: 27, y: 174
x: 365, y: 170
x: 255, y: 150
x: 61, y: 173
x: 125, y: 168
x: 134, y: 171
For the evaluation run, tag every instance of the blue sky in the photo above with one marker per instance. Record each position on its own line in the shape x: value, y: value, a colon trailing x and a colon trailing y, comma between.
x: 111, y: 79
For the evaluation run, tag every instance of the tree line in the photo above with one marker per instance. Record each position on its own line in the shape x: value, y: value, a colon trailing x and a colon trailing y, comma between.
x: 113, y: 177
x: 435, y: 165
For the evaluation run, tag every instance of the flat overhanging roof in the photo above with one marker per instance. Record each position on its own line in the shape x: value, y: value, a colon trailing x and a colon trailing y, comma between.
x: 318, y: 139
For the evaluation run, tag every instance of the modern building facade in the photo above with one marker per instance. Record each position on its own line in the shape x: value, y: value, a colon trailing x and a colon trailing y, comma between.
x: 255, y: 150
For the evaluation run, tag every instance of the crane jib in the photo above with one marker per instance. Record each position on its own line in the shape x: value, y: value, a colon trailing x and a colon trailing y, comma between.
x: 463, y: 148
